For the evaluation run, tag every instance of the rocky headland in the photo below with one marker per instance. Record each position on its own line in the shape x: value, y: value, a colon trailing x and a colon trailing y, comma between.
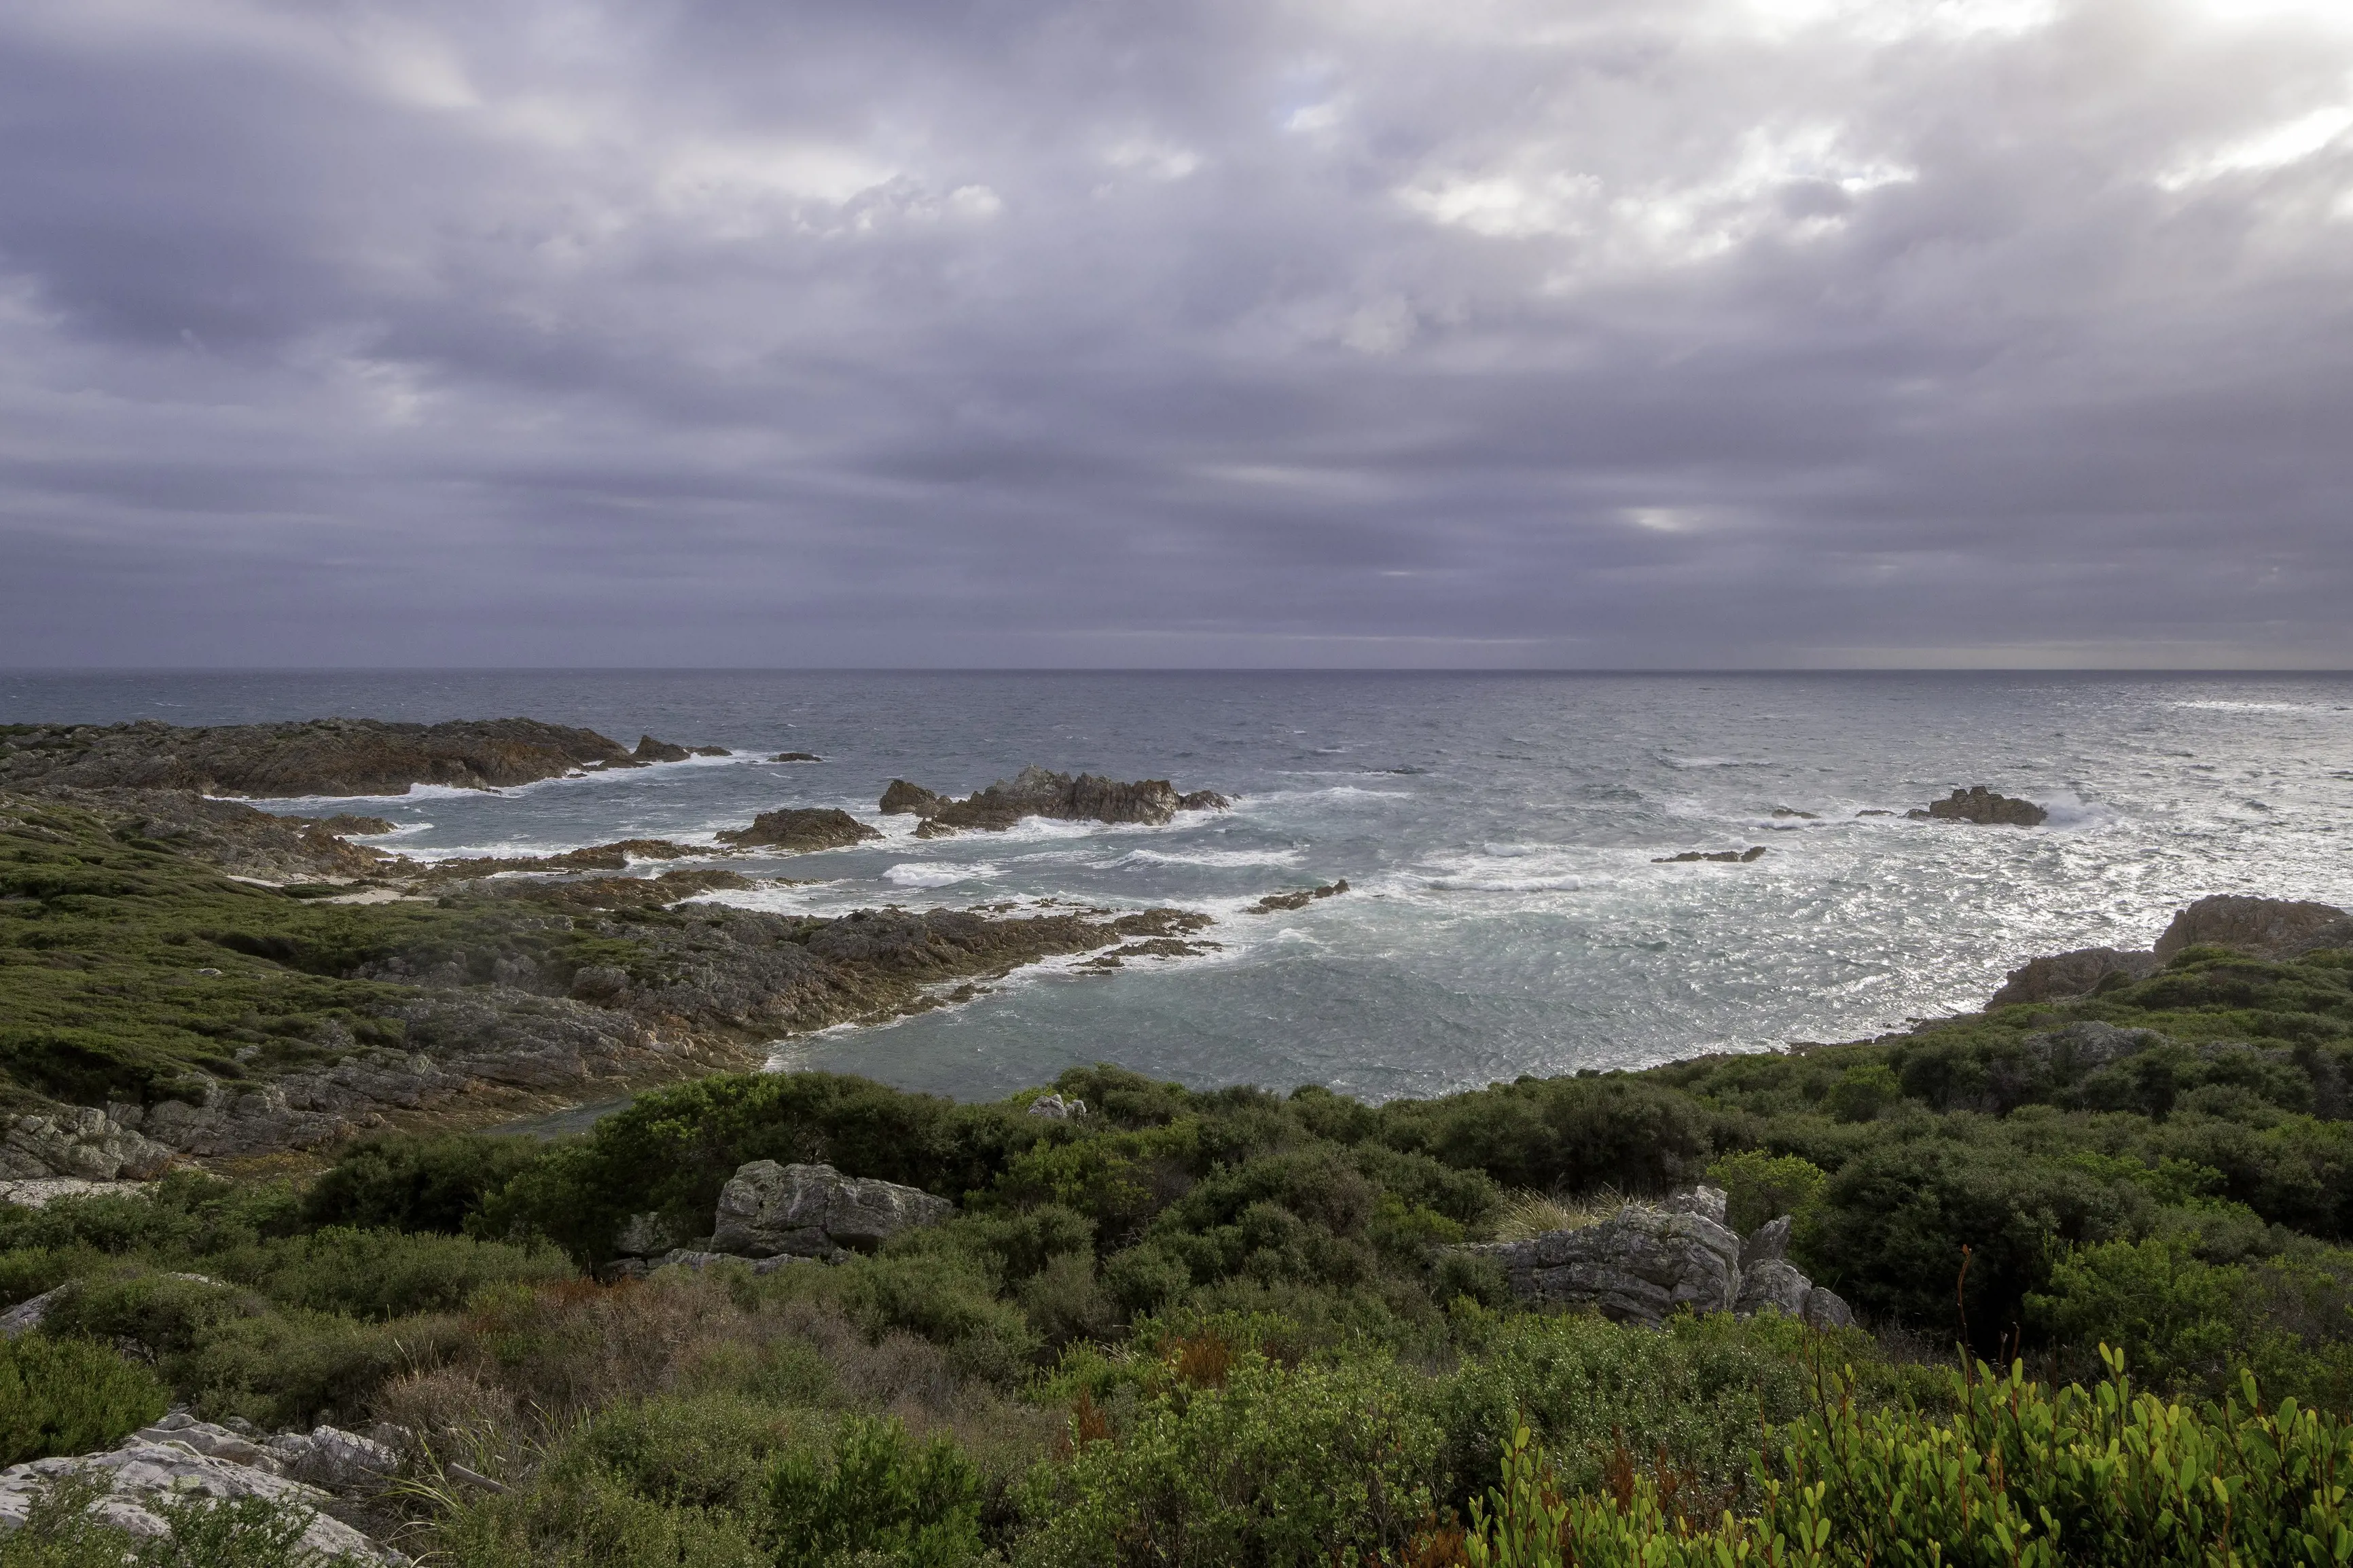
x: 1036, y: 792
x: 312, y: 756
x: 188, y: 977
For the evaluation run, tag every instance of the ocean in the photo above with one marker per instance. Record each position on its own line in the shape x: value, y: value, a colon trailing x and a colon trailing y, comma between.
x: 1500, y: 834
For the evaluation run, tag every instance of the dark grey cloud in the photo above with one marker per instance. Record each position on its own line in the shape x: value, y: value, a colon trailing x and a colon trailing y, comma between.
x: 1390, y: 333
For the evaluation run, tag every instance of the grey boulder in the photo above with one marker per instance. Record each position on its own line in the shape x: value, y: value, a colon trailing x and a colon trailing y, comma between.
x: 815, y: 1211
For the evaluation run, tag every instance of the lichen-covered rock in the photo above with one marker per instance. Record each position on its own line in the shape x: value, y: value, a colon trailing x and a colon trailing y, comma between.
x: 2061, y: 975
x: 1640, y: 1266
x: 80, y: 1142
x: 181, y: 1456
x: 815, y: 1211
x: 2265, y: 928
x: 2085, y: 1046
x: 1772, y: 1282
x: 1055, y: 1108
x: 1649, y: 1261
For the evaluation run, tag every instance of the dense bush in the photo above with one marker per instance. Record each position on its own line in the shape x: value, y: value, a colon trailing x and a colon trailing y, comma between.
x: 67, y: 1396
x: 877, y: 1493
x: 407, y: 1183
x: 2016, y: 1477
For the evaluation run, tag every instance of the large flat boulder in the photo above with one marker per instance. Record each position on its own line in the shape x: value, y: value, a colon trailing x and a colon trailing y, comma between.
x: 814, y: 1211
x: 1037, y: 791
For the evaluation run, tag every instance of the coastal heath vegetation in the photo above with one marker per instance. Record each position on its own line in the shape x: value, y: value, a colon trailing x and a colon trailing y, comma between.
x: 1232, y: 1326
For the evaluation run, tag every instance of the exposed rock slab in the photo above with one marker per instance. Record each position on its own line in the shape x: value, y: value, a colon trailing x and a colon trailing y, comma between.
x: 181, y: 1456
x: 2266, y: 927
x: 1037, y: 791
x: 1299, y: 898
x: 800, y: 830
x: 76, y: 1140
x: 1754, y: 852
x: 814, y: 1211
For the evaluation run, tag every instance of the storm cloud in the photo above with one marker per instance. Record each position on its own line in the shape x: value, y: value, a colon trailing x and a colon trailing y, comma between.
x: 1395, y: 332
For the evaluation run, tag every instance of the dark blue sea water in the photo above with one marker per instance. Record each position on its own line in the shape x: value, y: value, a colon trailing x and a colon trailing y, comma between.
x: 1499, y: 832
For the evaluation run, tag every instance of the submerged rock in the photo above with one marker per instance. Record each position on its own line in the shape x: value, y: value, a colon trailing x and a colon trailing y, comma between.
x: 1300, y: 898
x: 1981, y: 806
x: 815, y: 1211
x: 800, y: 830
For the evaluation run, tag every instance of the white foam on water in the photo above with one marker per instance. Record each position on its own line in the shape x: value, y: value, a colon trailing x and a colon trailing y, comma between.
x: 939, y: 873
x: 1291, y: 857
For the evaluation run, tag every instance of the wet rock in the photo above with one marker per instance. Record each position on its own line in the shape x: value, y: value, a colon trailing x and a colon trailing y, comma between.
x: 708, y: 751
x: 797, y: 757
x: 902, y: 799
x: 652, y: 750
x: 800, y: 830
x: 1036, y: 792
x: 1754, y: 852
x: 1981, y: 806
x: 2061, y: 975
x: 1792, y: 812
x: 815, y: 1211
x: 1300, y: 898
x: 2270, y: 929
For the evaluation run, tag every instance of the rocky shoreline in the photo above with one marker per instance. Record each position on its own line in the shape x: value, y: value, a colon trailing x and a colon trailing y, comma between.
x: 452, y: 994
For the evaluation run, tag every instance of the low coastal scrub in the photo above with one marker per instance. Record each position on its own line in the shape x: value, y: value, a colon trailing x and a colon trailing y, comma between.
x: 1233, y: 1326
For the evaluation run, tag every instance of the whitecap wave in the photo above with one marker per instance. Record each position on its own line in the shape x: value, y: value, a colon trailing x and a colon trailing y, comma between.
x: 939, y: 873
x: 1206, y: 857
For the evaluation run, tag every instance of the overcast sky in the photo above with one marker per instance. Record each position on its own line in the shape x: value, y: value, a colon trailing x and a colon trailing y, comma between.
x: 1398, y: 332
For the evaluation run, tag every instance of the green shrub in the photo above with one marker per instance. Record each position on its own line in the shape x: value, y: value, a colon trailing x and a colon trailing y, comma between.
x: 877, y: 1493
x: 1249, y: 1463
x: 1570, y: 1135
x: 1759, y: 1186
x: 65, y: 1396
x: 388, y: 1273
x: 2016, y: 1477
x: 591, y: 1519
x: 404, y: 1181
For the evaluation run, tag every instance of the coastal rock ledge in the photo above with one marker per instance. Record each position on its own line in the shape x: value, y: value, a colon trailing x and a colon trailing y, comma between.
x: 1649, y: 1261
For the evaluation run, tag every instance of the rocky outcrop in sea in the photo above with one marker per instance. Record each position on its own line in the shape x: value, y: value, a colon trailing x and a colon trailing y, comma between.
x: 799, y: 830
x: 1981, y: 806
x: 1036, y: 792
